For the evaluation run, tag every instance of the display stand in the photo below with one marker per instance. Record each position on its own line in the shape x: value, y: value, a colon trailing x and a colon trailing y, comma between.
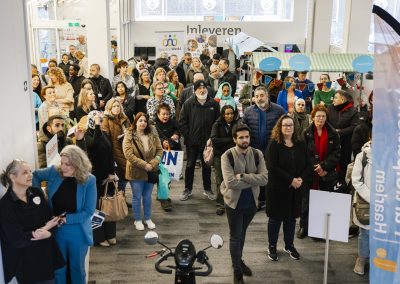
x: 329, y: 217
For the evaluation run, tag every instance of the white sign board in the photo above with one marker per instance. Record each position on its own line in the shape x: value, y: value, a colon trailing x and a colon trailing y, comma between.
x: 338, y: 206
x: 52, y: 156
x: 171, y: 42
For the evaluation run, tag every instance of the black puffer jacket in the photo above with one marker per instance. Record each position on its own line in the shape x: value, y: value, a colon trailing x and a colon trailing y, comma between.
x: 221, y: 135
x: 333, y: 156
x: 361, y: 135
x: 166, y: 130
x: 196, y: 120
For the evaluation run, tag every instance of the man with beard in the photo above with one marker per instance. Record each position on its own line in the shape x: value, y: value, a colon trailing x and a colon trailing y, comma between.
x: 261, y: 119
x: 55, y: 125
x: 74, y: 79
x: 103, y: 85
x: 243, y: 171
x: 197, y: 116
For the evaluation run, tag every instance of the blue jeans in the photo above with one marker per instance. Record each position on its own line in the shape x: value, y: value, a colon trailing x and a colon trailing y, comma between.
x: 141, y: 190
x: 363, y: 243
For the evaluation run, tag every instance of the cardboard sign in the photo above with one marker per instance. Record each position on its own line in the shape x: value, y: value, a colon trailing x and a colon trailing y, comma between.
x: 52, y: 156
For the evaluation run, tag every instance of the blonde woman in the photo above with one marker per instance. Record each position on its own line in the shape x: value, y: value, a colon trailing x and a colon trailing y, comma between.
x: 196, y: 67
x: 86, y: 103
x: 49, y: 107
x: 83, y: 64
x: 161, y: 76
x: 63, y: 89
x: 71, y: 193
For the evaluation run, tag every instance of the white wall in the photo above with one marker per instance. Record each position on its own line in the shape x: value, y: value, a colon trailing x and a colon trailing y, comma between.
x: 143, y: 33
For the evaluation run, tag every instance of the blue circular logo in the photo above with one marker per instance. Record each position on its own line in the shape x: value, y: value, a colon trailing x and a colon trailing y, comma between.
x: 270, y: 64
x: 300, y: 62
x: 363, y: 64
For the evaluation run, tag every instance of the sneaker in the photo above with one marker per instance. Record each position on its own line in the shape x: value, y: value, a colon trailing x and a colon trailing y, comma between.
x: 150, y: 224
x: 220, y: 211
x: 301, y: 233
x: 186, y: 194
x: 272, y: 253
x: 359, y: 266
x: 245, y: 269
x: 104, y: 244
x: 112, y: 241
x: 166, y: 205
x: 139, y: 225
x: 209, y: 194
x: 292, y: 252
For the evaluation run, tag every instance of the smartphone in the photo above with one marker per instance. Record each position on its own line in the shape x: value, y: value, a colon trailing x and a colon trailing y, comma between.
x: 62, y: 215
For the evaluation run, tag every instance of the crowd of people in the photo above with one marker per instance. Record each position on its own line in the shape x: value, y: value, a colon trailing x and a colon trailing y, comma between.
x: 113, y: 131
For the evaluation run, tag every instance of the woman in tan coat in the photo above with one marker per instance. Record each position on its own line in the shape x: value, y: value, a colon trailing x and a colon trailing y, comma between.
x: 115, y: 123
x: 142, y: 150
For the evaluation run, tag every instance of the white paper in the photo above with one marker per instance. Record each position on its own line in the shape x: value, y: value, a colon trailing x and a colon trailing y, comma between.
x: 242, y: 43
x: 52, y: 156
x: 338, y: 206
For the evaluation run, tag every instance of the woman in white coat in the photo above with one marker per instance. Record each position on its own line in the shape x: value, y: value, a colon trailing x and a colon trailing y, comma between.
x: 361, y: 180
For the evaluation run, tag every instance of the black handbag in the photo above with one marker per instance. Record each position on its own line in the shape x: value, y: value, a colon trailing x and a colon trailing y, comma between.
x: 152, y: 177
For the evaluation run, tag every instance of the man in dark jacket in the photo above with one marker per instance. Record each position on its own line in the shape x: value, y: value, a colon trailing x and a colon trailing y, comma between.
x: 103, y: 85
x: 227, y: 75
x: 185, y: 65
x: 188, y: 91
x: 74, y: 79
x: 197, y: 116
x: 162, y: 62
x: 261, y: 119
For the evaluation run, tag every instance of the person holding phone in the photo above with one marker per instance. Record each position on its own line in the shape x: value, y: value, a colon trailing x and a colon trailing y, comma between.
x: 29, y: 250
x: 71, y: 189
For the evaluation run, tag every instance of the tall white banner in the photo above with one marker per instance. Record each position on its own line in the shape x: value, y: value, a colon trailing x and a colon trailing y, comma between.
x: 171, y: 42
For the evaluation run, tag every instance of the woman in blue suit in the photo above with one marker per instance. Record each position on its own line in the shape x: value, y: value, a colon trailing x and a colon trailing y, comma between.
x: 71, y: 190
x: 288, y: 96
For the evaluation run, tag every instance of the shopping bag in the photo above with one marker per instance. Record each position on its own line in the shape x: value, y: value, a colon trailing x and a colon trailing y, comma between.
x: 208, y: 153
x: 173, y: 162
x: 163, y: 183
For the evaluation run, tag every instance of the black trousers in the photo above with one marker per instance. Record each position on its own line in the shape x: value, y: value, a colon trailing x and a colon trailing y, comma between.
x: 274, y: 226
x: 238, y: 220
x: 192, y: 153
x: 107, y: 231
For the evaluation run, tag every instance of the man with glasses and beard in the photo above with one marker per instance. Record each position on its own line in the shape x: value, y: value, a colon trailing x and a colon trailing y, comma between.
x: 55, y: 125
x: 261, y: 119
x: 244, y: 171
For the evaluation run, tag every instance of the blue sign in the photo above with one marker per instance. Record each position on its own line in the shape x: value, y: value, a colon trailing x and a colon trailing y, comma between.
x: 363, y: 63
x: 270, y: 64
x: 300, y: 62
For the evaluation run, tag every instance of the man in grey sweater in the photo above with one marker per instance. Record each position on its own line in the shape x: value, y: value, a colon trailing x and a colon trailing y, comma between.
x: 244, y: 171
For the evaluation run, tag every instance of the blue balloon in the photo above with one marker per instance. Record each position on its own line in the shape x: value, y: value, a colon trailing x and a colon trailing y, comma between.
x: 270, y: 64
x: 363, y: 64
x: 300, y: 62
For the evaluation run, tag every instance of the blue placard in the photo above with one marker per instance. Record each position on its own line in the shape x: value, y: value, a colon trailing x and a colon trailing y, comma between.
x: 270, y: 64
x: 363, y: 64
x: 300, y: 62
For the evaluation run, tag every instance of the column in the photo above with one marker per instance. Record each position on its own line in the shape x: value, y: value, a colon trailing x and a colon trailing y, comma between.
x: 98, y: 36
x: 321, y: 26
x: 357, y: 24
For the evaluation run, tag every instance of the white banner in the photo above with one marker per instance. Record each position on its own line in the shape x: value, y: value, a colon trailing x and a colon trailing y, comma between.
x: 52, y: 156
x: 171, y: 42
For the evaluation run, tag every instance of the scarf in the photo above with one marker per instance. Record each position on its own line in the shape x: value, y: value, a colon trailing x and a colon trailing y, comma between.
x: 301, y: 122
x: 321, y: 151
x: 343, y: 106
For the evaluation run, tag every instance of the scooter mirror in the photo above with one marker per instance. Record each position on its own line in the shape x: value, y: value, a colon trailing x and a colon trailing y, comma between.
x: 216, y: 241
x: 151, y: 238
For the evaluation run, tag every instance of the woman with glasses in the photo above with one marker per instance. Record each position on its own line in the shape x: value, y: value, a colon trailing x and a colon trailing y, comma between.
x: 324, y: 96
x: 289, y: 94
x: 323, y: 145
x: 27, y: 228
x: 159, y: 98
x: 300, y: 117
x: 168, y: 88
x: 289, y: 173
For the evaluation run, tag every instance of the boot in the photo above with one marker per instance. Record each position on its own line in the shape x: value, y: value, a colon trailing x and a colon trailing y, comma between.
x: 238, y: 277
x: 359, y: 266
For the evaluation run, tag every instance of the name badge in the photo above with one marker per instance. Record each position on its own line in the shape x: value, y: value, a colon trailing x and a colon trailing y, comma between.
x: 37, y: 200
x: 100, y: 95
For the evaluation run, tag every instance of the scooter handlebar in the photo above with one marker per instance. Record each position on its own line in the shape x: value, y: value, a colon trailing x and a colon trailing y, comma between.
x: 160, y: 260
x: 205, y: 273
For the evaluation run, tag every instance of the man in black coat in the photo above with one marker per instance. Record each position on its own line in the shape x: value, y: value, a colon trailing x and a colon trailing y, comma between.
x: 185, y: 65
x: 227, y: 75
x: 188, y: 91
x: 74, y: 79
x: 197, y: 116
x: 103, y: 85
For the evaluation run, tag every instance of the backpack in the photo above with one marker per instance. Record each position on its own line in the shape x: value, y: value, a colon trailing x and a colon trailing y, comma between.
x: 361, y: 207
x: 232, y: 161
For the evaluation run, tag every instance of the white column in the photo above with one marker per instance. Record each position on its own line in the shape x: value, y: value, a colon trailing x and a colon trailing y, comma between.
x: 357, y: 22
x: 98, y: 35
x: 17, y: 126
x: 321, y: 26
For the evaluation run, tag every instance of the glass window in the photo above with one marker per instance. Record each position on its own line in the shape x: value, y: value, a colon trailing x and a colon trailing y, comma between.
x: 219, y: 10
x: 337, y: 22
x: 71, y: 10
x: 43, y: 10
x: 46, y: 40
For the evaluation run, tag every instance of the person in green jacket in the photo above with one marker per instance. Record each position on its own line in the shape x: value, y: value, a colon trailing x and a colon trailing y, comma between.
x: 326, y: 94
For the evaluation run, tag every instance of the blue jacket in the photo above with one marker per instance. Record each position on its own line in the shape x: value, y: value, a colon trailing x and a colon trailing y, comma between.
x: 282, y: 98
x: 86, y: 195
x: 251, y: 118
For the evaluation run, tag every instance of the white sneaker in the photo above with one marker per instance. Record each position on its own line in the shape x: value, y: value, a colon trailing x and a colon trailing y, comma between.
x: 139, y: 225
x: 150, y: 224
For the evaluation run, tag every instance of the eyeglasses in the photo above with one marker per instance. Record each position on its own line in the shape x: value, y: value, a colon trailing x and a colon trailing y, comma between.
x: 287, y: 125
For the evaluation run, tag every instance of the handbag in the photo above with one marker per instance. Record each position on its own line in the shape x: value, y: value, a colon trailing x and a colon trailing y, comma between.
x: 208, y: 153
x: 152, y: 177
x: 113, y: 206
x: 163, y: 184
x: 361, y: 209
